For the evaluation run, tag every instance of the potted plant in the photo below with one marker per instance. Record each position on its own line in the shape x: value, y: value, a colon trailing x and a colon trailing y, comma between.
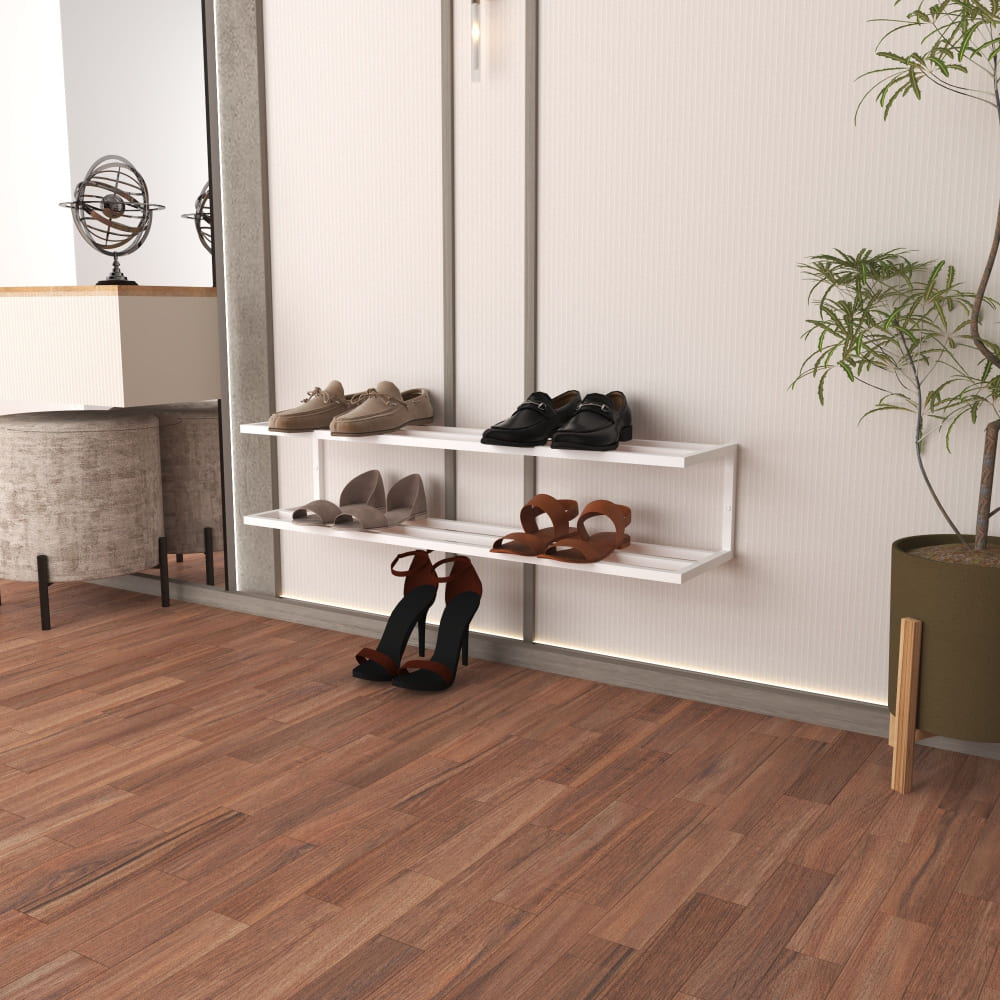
x: 907, y: 329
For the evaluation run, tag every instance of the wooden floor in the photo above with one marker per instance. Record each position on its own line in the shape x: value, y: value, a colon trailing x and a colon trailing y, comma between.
x: 191, y: 569
x: 200, y: 804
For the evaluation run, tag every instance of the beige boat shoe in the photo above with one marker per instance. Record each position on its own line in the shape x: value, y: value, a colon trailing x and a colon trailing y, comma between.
x: 384, y: 408
x: 315, y: 411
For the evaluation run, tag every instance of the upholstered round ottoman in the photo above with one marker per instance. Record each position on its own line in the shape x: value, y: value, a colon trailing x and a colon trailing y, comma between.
x: 192, y: 475
x: 80, y: 489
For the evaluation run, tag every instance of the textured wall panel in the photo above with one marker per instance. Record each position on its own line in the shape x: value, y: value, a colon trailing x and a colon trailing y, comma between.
x: 355, y: 181
x: 682, y: 177
x: 242, y: 273
x: 489, y: 278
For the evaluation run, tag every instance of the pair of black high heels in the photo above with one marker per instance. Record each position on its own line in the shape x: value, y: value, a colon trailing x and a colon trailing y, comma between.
x: 463, y: 592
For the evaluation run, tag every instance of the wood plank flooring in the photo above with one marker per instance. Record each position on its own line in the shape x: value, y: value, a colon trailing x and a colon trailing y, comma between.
x: 201, y: 805
x: 191, y: 569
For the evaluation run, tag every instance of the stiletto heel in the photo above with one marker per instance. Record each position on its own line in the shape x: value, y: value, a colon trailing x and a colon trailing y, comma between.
x: 463, y: 594
x: 419, y: 592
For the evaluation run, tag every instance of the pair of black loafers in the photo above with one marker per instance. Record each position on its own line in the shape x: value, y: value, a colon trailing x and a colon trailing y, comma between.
x: 597, y: 422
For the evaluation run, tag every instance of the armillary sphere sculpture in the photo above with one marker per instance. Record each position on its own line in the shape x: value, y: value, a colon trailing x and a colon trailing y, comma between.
x: 202, y: 216
x: 112, y: 212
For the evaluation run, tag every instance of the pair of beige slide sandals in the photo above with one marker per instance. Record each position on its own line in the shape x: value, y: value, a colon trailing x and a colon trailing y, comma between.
x: 374, y: 411
x: 364, y: 503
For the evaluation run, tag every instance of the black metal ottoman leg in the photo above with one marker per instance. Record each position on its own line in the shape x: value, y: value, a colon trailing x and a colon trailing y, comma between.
x: 43, y: 591
x: 164, y: 575
x: 209, y: 558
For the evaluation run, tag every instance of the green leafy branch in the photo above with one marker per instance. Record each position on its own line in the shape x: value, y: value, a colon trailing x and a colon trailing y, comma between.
x: 954, y: 35
x: 896, y: 325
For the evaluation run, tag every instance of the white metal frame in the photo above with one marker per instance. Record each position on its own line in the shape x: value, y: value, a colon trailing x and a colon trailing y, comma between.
x: 665, y: 564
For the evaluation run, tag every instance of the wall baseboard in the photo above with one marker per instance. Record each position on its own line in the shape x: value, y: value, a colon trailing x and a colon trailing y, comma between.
x: 785, y: 703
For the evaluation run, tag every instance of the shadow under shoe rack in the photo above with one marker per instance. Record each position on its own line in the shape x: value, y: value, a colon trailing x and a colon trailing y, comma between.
x: 663, y: 563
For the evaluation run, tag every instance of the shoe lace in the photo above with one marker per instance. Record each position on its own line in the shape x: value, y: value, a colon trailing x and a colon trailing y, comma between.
x: 360, y: 397
x: 317, y: 391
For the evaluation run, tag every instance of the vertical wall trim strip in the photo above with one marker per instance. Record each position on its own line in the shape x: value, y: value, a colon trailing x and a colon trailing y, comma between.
x: 448, y: 241
x: 265, y: 221
x: 530, y: 270
x: 242, y: 258
x: 212, y: 129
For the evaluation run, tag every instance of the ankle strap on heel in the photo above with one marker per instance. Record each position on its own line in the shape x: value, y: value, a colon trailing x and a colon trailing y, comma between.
x: 463, y: 564
x: 420, y: 572
x: 415, y: 564
x: 461, y: 579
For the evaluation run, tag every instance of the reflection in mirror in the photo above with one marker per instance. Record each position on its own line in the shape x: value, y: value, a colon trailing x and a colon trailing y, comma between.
x: 89, y: 80
x: 191, y: 475
x: 135, y: 87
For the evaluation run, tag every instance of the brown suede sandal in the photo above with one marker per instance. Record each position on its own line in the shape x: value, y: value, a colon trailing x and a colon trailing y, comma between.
x: 581, y: 546
x: 534, y: 540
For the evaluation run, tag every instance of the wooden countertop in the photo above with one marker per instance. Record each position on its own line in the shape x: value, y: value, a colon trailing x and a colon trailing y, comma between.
x: 175, y: 291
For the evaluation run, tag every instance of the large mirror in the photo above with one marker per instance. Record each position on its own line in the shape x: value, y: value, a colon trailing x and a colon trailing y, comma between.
x: 135, y: 85
x: 123, y: 77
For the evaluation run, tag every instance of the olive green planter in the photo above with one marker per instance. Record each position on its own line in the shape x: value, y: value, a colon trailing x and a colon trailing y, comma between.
x: 959, y: 606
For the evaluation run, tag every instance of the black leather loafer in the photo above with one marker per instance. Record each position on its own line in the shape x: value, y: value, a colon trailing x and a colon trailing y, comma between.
x: 533, y: 422
x: 599, y: 423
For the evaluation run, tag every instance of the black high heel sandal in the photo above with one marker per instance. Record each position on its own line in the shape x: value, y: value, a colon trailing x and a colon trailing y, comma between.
x: 419, y: 592
x: 463, y: 594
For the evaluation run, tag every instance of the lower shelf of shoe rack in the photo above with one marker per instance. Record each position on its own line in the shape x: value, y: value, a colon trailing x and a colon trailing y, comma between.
x: 662, y: 563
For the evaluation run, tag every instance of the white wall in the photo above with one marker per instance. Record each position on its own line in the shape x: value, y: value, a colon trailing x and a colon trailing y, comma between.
x: 354, y: 143
x: 135, y: 84
x: 683, y: 174
x: 36, y: 247
x: 36, y: 243
x: 680, y: 185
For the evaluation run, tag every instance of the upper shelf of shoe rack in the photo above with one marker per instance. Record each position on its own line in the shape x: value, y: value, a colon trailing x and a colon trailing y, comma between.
x: 661, y: 563
x: 667, y: 454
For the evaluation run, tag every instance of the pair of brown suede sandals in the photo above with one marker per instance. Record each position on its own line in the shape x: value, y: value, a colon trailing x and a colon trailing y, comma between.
x: 562, y: 542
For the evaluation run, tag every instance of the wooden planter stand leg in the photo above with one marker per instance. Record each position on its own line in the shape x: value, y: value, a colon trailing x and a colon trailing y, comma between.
x: 903, y: 725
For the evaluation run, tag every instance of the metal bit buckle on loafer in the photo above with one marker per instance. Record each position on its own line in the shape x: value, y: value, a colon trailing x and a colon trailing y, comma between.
x: 599, y: 423
x: 534, y: 420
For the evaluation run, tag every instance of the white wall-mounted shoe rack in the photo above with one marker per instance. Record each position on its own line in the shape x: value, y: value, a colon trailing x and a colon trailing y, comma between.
x: 662, y: 563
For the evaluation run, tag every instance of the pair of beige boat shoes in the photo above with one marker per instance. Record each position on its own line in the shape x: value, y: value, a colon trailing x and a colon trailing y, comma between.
x: 373, y: 411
